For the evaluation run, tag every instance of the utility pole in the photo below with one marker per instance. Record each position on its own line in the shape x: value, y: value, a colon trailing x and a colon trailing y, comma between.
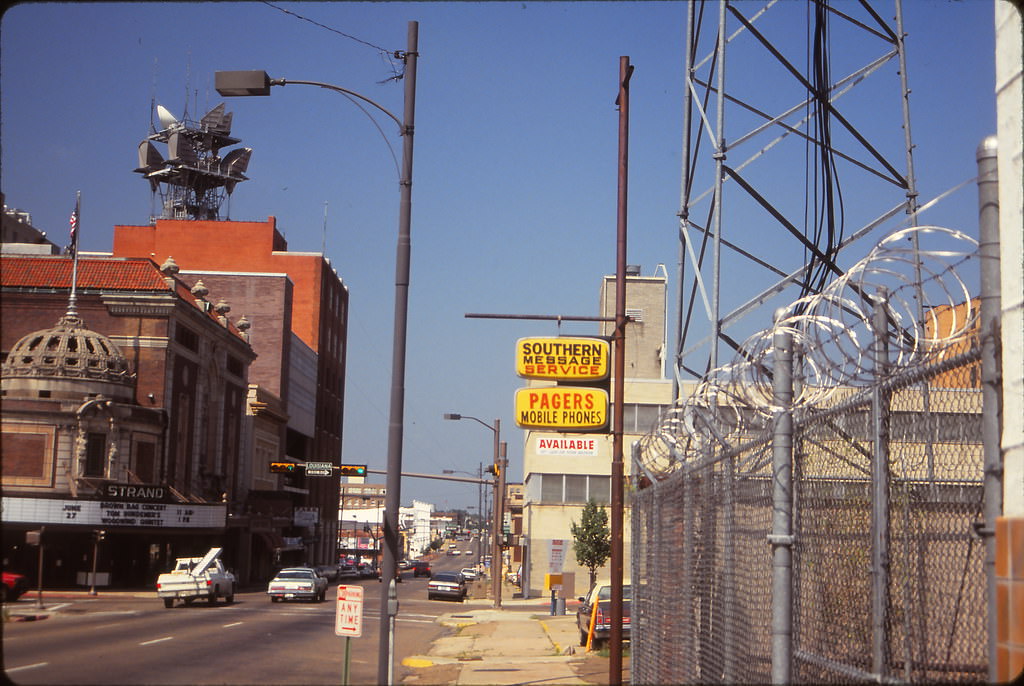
x: 618, y: 373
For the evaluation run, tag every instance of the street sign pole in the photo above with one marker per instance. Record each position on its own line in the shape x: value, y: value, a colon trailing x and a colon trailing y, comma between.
x: 348, y: 656
x: 348, y: 621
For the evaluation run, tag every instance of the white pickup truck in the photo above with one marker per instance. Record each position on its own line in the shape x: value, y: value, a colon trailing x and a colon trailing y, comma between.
x: 197, y: 577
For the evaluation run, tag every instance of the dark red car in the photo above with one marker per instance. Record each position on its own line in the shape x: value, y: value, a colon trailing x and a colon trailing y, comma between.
x: 14, y: 586
x: 421, y: 568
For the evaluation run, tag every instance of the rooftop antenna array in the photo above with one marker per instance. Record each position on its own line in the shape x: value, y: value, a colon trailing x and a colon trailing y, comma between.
x: 194, y: 179
x: 820, y: 89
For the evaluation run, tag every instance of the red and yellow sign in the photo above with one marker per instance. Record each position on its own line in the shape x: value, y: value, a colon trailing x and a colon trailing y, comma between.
x: 562, y: 408
x: 563, y: 358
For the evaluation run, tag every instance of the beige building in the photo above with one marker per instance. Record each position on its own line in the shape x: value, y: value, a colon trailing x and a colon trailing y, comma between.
x: 562, y: 470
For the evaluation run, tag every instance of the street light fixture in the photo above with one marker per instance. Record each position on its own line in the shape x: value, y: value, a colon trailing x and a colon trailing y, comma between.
x: 258, y: 83
x: 499, y: 497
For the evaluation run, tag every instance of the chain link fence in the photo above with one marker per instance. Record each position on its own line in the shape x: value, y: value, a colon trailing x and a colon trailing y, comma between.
x: 810, y: 513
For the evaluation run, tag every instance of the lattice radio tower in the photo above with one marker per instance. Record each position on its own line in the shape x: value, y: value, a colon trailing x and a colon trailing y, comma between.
x: 194, y: 180
x: 796, y: 144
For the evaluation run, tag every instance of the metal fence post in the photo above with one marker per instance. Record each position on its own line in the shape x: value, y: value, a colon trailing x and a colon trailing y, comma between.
x: 880, y: 399
x: 781, y: 537
x: 991, y: 375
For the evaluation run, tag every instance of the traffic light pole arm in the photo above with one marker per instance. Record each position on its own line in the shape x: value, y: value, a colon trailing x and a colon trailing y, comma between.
x: 485, y: 482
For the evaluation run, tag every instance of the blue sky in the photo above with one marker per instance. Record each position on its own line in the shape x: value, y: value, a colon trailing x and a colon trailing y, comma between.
x: 515, y: 163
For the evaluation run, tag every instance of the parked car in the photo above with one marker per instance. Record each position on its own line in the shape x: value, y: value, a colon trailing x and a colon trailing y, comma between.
x: 469, y: 574
x: 329, y: 572
x: 296, y: 583
x: 601, y: 594
x: 514, y: 576
x: 14, y: 586
x: 403, y: 564
x: 450, y: 585
x: 421, y: 568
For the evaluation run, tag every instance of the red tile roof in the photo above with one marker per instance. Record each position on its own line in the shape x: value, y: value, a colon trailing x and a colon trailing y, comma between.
x: 101, y: 273
x: 32, y: 271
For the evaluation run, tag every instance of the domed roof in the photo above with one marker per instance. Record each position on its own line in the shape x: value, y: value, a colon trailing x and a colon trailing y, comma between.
x: 67, y: 351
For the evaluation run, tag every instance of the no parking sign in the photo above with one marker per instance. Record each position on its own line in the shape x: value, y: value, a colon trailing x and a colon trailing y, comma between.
x: 348, y: 618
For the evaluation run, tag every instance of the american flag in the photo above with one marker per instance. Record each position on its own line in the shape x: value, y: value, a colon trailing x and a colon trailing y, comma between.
x: 74, y: 229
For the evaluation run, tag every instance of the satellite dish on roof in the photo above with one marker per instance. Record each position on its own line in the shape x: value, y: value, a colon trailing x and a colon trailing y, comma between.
x: 167, y: 119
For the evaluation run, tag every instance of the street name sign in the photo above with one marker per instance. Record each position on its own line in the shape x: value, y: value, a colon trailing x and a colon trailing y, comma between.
x: 319, y: 469
x: 348, y: 618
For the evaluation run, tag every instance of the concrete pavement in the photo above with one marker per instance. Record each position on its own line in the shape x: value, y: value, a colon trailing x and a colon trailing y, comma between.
x: 522, y: 643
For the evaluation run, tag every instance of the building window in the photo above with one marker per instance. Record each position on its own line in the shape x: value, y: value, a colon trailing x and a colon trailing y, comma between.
x: 95, y: 454
x: 187, y: 337
x: 569, y: 488
x: 640, y: 419
x: 145, y: 462
x: 575, y: 488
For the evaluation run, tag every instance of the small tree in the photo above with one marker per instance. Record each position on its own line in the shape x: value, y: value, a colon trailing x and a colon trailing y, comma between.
x: 592, y: 539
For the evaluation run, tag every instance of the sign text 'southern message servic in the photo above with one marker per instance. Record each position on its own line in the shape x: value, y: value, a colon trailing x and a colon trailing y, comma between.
x: 563, y: 358
x: 562, y: 408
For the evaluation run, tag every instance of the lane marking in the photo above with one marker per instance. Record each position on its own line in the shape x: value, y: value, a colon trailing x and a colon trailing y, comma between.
x: 18, y: 669
x: 157, y: 640
x: 232, y: 624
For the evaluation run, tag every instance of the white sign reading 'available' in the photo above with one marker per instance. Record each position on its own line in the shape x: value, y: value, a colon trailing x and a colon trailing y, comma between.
x: 567, y: 446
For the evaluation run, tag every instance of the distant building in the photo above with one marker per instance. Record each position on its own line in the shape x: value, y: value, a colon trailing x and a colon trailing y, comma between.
x: 360, y: 519
x: 18, y: 236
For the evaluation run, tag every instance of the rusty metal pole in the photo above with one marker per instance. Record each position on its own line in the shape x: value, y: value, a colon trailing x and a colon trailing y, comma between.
x: 618, y: 373
x: 499, y: 519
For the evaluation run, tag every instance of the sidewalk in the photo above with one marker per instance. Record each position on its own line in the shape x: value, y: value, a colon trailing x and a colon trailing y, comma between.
x: 522, y: 643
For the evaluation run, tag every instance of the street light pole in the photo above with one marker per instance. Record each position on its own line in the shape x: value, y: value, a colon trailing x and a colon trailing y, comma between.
x: 392, y: 502
x: 258, y: 83
x: 498, y: 467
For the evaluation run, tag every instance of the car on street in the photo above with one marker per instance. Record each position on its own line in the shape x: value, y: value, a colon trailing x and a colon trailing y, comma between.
x: 403, y: 564
x: 601, y: 594
x: 297, y: 583
x: 421, y: 568
x: 329, y: 572
x: 449, y: 585
x: 14, y: 586
x: 469, y: 574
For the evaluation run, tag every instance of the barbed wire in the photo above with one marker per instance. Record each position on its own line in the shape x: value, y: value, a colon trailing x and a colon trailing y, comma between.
x: 913, y: 275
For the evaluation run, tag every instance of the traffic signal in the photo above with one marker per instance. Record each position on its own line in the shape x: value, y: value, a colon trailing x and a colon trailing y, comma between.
x: 353, y: 469
x: 283, y: 467
x: 493, y: 469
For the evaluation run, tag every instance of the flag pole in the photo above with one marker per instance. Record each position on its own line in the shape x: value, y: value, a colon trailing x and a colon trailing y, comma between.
x: 73, y: 298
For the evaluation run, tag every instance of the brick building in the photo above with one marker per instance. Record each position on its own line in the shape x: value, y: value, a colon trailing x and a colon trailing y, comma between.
x: 297, y: 310
x: 126, y: 416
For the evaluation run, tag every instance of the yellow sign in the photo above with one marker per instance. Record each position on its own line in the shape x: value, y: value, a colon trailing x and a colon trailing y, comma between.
x: 562, y: 408
x: 565, y: 359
